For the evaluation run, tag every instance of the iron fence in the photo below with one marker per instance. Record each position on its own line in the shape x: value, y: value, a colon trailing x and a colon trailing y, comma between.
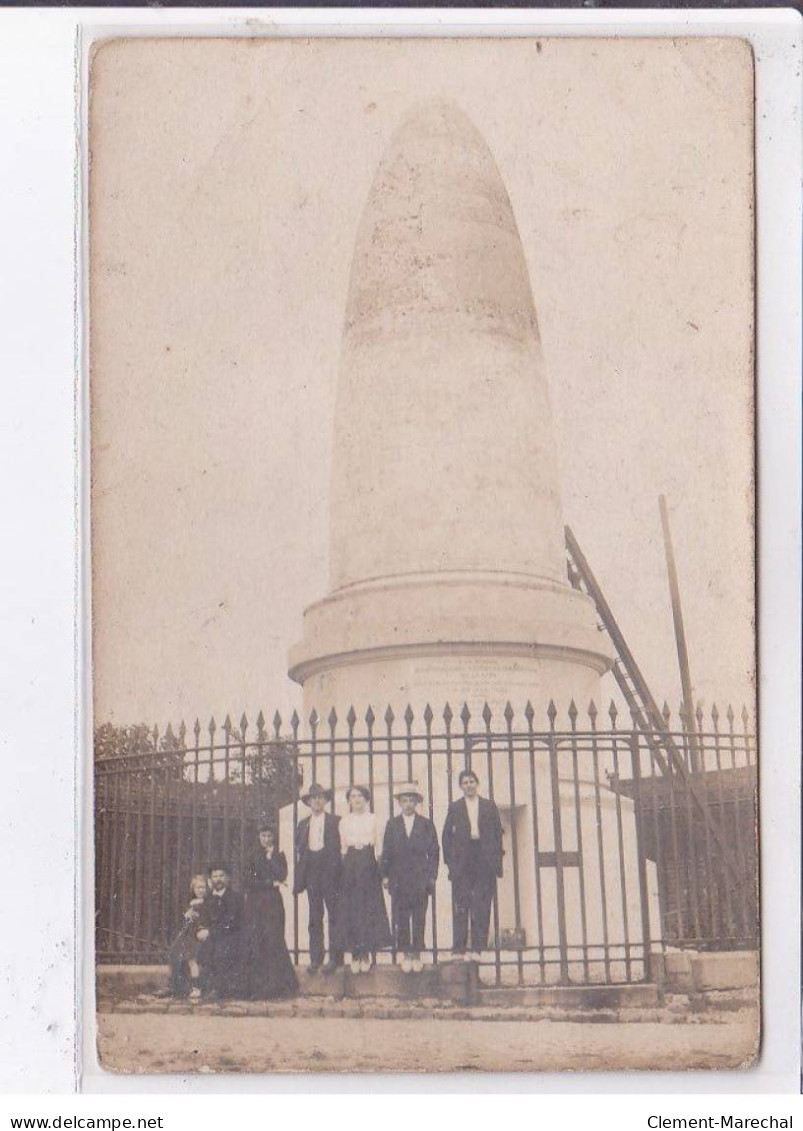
x: 613, y: 850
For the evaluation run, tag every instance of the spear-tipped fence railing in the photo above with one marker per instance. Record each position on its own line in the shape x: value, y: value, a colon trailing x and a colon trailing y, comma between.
x: 608, y: 857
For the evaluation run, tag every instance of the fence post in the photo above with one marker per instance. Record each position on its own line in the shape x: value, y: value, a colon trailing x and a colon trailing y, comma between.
x: 644, y: 895
x: 563, y: 942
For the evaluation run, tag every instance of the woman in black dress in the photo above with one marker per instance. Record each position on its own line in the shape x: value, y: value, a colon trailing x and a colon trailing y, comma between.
x: 269, y: 971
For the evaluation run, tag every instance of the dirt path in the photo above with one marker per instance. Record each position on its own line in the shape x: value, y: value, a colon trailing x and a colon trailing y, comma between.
x: 154, y: 1043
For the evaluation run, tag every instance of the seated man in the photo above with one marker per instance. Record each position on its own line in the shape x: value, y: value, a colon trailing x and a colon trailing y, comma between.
x: 220, y: 934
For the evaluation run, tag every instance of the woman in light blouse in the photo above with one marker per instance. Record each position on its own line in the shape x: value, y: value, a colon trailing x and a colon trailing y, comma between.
x: 362, y: 919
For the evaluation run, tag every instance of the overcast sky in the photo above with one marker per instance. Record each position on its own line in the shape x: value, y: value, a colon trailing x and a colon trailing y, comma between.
x: 228, y: 178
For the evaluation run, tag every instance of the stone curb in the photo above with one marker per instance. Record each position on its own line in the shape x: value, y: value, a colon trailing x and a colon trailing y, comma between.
x: 679, y: 1011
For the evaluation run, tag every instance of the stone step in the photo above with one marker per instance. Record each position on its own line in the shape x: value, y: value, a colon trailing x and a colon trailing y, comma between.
x: 456, y: 982
x: 640, y: 995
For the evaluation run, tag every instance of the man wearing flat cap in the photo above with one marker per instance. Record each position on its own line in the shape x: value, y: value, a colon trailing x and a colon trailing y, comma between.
x: 409, y: 866
x: 317, y: 872
x: 472, y: 851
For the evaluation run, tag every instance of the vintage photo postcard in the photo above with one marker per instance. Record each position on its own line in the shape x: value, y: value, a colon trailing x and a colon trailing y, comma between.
x: 422, y: 509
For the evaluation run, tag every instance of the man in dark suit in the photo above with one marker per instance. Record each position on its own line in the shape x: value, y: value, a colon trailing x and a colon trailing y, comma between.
x: 317, y: 872
x: 409, y: 866
x: 472, y: 851
x: 220, y: 933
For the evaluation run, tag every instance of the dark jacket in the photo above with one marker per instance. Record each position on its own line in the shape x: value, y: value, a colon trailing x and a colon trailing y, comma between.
x: 410, y: 863
x: 223, y: 918
x: 331, y: 851
x: 457, y: 838
x: 264, y: 873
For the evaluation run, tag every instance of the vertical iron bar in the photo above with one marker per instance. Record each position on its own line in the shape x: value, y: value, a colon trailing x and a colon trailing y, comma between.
x: 592, y: 714
x: 620, y: 838
x: 514, y: 840
x: 150, y: 892
x: 486, y: 716
x: 465, y: 716
x: 447, y: 722
x: 641, y: 852
x: 751, y: 878
x: 103, y: 802
x: 579, y: 826
x: 658, y: 824
x: 297, y: 777
x: 127, y: 866
x: 139, y: 867
x: 692, y: 839
x: 332, y: 720
x: 195, y: 862
x: 175, y: 908
x: 313, y: 726
x: 389, y: 717
x: 714, y: 927
x: 118, y: 834
x: 227, y: 729
x: 244, y: 795
x: 529, y: 714
x: 210, y: 795
x: 370, y: 719
x: 166, y: 871
x: 682, y: 910
x: 408, y: 742
x: 558, y: 840
x: 744, y: 917
x: 428, y: 716
x: 351, y: 719
x: 725, y: 887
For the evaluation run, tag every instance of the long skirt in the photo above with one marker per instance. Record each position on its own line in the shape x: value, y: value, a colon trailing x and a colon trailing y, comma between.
x: 269, y: 971
x: 362, y: 919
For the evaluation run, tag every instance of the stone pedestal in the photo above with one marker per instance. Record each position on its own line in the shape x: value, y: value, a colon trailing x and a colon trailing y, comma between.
x: 455, y: 982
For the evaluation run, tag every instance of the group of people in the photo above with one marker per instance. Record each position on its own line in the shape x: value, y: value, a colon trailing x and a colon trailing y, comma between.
x: 230, y: 946
x: 234, y: 947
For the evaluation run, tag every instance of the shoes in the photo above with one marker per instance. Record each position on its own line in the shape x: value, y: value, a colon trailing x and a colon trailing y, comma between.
x: 416, y: 964
x: 330, y: 967
x: 195, y: 994
x: 406, y: 964
x: 365, y: 965
x: 312, y: 971
x: 356, y: 966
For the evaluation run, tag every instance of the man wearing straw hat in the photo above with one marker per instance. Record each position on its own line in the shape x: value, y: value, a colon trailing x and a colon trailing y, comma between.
x: 317, y: 871
x: 410, y: 858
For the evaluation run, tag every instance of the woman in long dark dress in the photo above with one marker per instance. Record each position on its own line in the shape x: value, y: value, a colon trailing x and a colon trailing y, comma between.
x: 269, y: 971
x: 362, y: 916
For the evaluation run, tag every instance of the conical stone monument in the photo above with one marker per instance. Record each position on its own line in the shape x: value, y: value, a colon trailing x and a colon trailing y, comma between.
x: 448, y: 565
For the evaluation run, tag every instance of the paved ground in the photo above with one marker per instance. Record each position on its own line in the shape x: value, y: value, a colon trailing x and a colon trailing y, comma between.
x: 164, y: 1042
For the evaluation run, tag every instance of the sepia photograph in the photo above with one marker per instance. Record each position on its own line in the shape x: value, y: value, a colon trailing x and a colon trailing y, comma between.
x: 422, y: 442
